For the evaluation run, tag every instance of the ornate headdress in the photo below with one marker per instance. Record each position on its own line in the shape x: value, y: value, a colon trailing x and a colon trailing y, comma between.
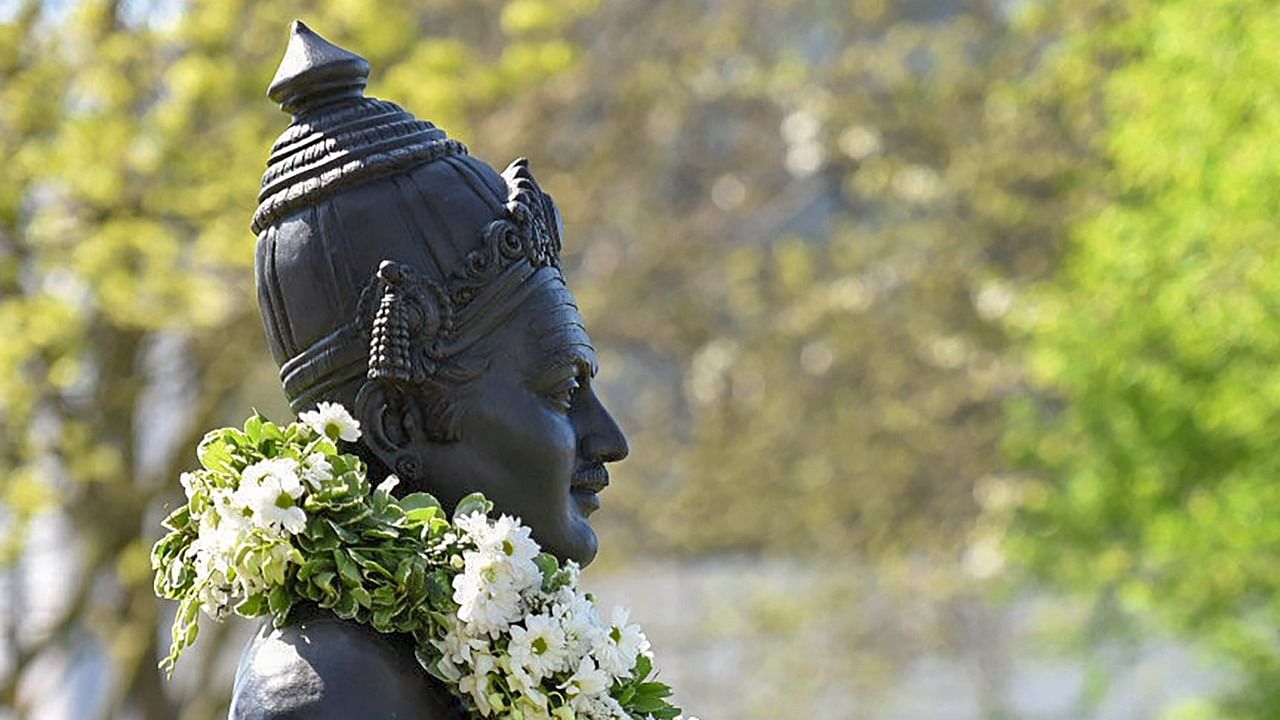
x: 385, y: 251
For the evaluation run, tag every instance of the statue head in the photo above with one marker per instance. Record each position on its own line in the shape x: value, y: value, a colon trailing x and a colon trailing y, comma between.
x: 412, y: 283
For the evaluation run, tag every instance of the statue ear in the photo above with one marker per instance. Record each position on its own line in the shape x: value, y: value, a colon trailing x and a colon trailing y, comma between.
x: 383, y: 415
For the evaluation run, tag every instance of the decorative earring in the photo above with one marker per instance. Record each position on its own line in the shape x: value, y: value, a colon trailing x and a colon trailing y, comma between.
x: 407, y: 468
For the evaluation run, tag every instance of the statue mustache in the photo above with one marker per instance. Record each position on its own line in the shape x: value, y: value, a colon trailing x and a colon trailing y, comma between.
x: 591, y: 477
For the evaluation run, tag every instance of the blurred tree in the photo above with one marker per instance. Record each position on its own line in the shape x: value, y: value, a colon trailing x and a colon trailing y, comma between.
x: 806, y: 222
x: 1153, y: 424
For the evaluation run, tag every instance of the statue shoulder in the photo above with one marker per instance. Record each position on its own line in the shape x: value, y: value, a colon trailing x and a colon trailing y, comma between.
x: 319, y: 667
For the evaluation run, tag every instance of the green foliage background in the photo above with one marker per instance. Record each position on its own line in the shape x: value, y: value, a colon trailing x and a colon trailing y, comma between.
x: 1153, y: 427
x: 836, y: 255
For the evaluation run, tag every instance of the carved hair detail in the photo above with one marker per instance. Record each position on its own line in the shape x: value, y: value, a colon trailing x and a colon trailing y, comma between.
x: 412, y: 315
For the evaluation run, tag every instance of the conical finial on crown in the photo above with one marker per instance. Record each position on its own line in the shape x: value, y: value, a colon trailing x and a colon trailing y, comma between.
x: 315, y: 72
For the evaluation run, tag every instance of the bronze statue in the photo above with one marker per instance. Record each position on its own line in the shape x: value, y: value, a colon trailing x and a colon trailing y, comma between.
x: 411, y: 282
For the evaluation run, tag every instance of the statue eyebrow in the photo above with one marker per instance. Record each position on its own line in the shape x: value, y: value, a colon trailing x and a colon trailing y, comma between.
x: 578, y: 354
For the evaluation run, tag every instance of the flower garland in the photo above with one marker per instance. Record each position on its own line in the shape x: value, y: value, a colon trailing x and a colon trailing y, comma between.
x: 277, y: 516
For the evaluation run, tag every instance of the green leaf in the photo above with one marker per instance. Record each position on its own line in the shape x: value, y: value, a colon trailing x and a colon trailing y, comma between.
x: 273, y: 432
x: 370, y: 564
x: 423, y: 516
x: 653, y: 689
x: 440, y: 588
x: 418, y: 500
x: 643, y: 667
x: 381, y: 533
x: 253, y: 428
x: 403, y: 571
x: 279, y: 601
x: 273, y: 568
x: 324, y: 581
x: 382, y: 619
x: 312, y: 566
x: 473, y: 503
x: 214, y: 454
x: 192, y: 632
x: 362, y: 596
x: 347, y: 536
x: 252, y: 606
x: 347, y: 567
x: 647, y: 704
x: 179, y: 519
x: 345, y: 607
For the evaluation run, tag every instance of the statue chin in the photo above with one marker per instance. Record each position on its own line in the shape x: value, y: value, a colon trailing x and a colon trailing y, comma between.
x: 406, y: 279
x: 583, y: 547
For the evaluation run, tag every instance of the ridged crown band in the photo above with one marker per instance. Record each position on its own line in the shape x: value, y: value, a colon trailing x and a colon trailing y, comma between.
x: 338, y: 138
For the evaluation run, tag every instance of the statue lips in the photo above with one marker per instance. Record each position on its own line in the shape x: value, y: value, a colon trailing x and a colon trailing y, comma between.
x: 587, y: 482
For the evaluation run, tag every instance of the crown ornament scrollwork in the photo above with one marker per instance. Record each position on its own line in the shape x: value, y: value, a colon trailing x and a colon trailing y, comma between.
x: 409, y: 319
x: 530, y: 231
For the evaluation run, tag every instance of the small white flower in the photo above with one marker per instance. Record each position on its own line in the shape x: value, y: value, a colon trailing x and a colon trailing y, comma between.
x: 458, y: 644
x: 617, y: 648
x: 574, y: 571
x: 586, y: 681
x: 521, y: 683
x: 190, y: 484
x: 507, y: 541
x: 532, y: 703
x: 477, y: 683
x: 487, y: 597
x: 316, y: 470
x: 601, y: 707
x: 333, y: 421
x: 579, y: 619
x: 269, y: 490
x: 539, y: 647
x: 215, y: 596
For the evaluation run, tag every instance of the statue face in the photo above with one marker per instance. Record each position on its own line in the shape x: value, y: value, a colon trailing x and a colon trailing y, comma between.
x: 534, y: 437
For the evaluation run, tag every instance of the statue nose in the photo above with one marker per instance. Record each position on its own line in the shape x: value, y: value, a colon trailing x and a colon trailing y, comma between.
x: 601, y: 440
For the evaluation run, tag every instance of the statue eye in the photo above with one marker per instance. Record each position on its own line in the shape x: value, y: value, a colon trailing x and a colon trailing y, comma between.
x: 561, y: 396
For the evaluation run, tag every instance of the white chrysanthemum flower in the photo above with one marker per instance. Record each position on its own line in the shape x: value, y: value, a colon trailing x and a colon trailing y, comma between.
x: 532, y: 704
x: 618, y: 647
x: 458, y: 646
x: 579, y: 619
x: 215, y: 595
x: 508, y: 541
x: 574, y: 571
x: 474, y: 526
x: 190, y: 484
x: 521, y: 683
x: 333, y: 421
x: 316, y: 470
x: 539, y: 647
x: 269, y: 490
x: 601, y: 707
x: 478, y: 683
x: 586, y: 682
x: 486, y: 593
x: 220, y: 530
x: 211, y: 555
